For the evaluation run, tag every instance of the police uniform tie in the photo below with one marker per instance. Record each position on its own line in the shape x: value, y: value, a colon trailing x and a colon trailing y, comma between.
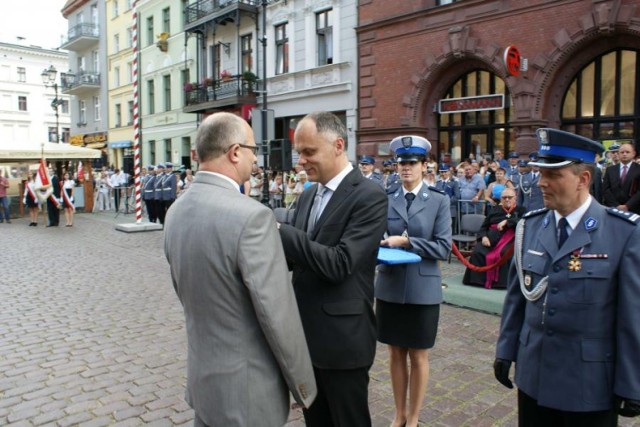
x: 409, y: 197
x: 623, y: 175
x: 562, y: 231
x: 315, y: 209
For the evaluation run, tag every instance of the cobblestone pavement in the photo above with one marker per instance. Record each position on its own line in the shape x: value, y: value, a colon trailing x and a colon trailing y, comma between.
x: 92, y: 334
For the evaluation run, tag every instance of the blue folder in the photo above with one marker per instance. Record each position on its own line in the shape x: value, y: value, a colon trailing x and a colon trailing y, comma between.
x: 396, y: 256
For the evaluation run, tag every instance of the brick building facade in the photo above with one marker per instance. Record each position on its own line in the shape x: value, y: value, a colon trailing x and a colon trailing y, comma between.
x: 581, y: 58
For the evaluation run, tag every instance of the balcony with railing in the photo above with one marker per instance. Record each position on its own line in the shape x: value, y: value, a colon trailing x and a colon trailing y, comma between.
x: 81, y: 83
x: 81, y: 37
x: 221, y: 11
x: 220, y: 94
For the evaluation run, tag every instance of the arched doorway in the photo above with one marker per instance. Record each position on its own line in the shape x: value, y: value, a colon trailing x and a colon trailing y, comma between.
x: 481, y: 131
x: 603, y: 100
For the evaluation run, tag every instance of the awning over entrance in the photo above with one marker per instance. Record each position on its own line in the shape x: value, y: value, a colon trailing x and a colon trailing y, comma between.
x: 120, y: 144
x: 12, y: 153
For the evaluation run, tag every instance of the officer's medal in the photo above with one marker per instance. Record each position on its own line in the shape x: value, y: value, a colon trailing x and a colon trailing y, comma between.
x: 574, y: 262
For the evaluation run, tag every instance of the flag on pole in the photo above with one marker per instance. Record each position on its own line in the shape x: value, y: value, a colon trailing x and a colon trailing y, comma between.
x: 43, y: 187
x: 80, y: 172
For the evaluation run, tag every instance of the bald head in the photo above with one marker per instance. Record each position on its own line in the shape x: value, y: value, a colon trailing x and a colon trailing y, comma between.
x: 217, y: 133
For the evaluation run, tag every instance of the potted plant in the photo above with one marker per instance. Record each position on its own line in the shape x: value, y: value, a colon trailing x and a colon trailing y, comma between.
x: 207, y: 81
x: 189, y: 87
x: 225, y: 75
x: 250, y: 78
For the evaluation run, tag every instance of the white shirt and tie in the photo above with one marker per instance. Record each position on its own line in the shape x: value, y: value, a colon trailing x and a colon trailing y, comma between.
x: 323, y: 195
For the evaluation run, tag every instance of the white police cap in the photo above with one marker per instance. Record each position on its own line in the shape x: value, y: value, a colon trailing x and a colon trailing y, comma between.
x: 410, y: 148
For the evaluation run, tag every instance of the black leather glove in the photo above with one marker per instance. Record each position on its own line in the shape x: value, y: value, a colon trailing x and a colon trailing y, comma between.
x: 501, y: 369
x: 628, y: 407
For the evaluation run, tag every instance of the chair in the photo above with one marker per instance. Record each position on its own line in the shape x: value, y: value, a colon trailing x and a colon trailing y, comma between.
x: 470, y: 226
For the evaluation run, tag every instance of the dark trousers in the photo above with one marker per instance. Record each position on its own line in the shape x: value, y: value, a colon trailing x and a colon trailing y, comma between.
x: 342, y: 399
x: 53, y: 213
x: 116, y: 198
x: 151, y: 210
x: 160, y: 212
x: 530, y: 414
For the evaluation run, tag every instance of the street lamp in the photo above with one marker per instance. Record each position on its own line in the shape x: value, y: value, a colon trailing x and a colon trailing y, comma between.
x: 49, y: 80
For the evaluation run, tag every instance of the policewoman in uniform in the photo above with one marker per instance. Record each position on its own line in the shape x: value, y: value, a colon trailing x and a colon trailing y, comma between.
x: 571, y: 321
x: 408, y: 296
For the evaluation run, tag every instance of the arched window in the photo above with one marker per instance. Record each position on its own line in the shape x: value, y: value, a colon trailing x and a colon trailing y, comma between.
x: 602, y: 102
x: 479, y: 132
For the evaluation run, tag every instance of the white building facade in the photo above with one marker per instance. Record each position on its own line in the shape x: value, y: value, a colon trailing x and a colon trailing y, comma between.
x: 27, y: 112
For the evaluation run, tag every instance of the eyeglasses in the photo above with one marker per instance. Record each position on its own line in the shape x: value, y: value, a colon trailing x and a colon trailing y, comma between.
x: 253, y: 148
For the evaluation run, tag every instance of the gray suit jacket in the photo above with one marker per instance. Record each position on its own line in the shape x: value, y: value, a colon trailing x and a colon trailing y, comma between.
x: 428, y: 225
x: 246, y: 346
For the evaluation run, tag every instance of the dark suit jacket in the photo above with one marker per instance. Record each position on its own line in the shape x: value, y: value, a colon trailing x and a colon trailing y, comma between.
x: 627, y: 193
x: 333, y: 271
x: 595, y: 187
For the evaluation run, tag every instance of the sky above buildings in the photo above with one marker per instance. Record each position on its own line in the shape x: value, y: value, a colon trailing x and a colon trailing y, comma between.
x: 38, y: 21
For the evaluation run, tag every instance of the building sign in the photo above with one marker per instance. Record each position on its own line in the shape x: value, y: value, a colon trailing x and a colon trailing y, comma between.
x: 512, y: 60
x: 120, y: 144
x: 471, y: 103
x: 76, y: 140
x: 91, y: 138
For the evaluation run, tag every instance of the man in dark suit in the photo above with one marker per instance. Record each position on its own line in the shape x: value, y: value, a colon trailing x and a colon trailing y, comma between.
x: 620, y: 186
x: 570, y: 317
x: 53, y: 209
x: 332, y: 245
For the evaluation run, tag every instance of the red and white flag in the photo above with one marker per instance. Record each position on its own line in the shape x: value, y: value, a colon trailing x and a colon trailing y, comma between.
x: 80, y: 172
x: 43, y: 187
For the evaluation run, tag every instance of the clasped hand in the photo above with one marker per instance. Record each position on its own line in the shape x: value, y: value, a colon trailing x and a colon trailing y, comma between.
x: 395, y: 242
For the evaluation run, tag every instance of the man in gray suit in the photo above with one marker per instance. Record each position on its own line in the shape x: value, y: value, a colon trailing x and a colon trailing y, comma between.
x: 570, y: 317
x: 246, y: 346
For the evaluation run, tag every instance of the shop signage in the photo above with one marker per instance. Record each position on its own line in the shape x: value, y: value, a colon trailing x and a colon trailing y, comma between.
x: 76, y: 140
x: 512, y: 60
x: 471, y: 103
x: 95, y: 137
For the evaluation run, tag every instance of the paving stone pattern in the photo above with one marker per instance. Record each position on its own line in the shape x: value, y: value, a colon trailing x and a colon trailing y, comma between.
x: 92, y: 334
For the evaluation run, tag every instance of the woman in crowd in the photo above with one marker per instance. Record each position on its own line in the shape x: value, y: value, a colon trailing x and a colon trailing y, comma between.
x: 493, y: 191
x: 494, y: 239
x: 31, y: 200
x: 408, y: 296
x: 289, y: 195
x: 102, y: 202
x: 276, y: 191
x: 67, y: 198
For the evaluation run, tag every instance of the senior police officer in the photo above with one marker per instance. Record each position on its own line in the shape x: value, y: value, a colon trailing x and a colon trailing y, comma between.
x: 512, y: 169
x: 570, y: 320
x: 367, y: 164
x: 169, y: 188
x: 157, y: 192
x: 148, y: 193
x: 392, y: 181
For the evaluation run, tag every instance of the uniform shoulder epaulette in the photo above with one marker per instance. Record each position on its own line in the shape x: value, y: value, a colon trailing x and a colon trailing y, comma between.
x: 436, y: 190
x: 535, y: 212
x: 629, y: 216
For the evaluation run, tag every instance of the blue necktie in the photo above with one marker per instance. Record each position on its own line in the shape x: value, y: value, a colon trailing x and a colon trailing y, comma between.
x: 562, y: 231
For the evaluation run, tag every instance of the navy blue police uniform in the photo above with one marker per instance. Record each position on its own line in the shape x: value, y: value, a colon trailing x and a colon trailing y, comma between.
x: 570, y: 318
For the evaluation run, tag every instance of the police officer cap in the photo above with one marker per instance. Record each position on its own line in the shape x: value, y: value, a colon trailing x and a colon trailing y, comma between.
x: 169, y: 165
x: 533, y: 156
x: 443, y: 167
x: 387, y: 163
x: 559, y: 148
x: 523, y: 163
x: 513, y: 155
x: 160, y: 166
x: 410, y: 148
x: 150, y: 167
x: 614, y: 147
x: 367, y: 160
